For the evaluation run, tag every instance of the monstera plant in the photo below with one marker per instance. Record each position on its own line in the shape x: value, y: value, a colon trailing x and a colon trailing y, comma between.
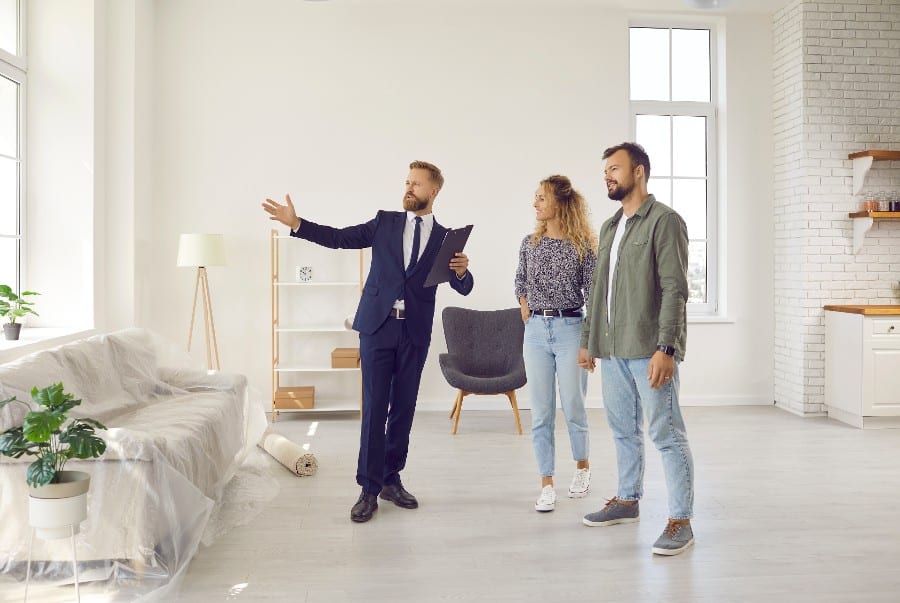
x: 48, y: 434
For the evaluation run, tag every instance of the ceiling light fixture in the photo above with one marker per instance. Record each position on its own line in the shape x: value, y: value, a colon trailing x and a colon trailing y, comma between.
x: 707, y: 4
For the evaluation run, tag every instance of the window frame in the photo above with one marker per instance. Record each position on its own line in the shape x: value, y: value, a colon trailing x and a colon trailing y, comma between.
x: 708, y: 110
x: 14, y: 68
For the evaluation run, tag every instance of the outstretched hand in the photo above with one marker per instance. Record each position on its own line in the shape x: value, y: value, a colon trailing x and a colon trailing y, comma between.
x: 282, y: 213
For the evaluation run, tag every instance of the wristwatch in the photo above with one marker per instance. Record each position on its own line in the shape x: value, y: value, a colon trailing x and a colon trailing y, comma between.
x: 666, y: 349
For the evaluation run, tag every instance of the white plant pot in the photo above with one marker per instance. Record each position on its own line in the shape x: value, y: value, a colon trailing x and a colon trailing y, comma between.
x: 57, y: 510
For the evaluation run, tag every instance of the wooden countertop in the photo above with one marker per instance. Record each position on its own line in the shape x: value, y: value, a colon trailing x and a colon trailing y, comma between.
x: 892, y: 310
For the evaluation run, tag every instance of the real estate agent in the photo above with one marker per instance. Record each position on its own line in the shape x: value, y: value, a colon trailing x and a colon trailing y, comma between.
x: 394, y: 320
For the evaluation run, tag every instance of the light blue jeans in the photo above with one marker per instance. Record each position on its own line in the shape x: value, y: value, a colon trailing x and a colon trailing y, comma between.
x: 626, y: 395
x: 551, y: 355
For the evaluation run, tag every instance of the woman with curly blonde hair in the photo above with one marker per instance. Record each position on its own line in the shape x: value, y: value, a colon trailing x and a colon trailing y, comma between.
x: 553, y: 280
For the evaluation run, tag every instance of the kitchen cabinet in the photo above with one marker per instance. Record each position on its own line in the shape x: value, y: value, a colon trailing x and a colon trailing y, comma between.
x: 862, y: 365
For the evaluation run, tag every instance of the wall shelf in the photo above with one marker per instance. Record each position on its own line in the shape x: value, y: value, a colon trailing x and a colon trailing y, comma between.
x: 863, y: 222
x: 862, y: 163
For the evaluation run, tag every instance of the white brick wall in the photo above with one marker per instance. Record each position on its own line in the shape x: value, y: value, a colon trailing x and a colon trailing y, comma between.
x: 837, y: 91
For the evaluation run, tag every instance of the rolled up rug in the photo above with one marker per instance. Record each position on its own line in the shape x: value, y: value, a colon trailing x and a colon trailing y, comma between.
x: 291, y: 455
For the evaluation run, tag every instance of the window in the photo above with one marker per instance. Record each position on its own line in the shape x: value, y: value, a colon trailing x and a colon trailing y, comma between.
x: 673, y: 110
x: 12, y: 103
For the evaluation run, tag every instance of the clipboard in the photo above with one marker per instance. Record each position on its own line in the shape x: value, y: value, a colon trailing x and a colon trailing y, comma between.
x: 454, y: 242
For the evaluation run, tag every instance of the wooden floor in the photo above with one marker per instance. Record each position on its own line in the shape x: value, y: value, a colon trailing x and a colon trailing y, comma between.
x: 787, y: 509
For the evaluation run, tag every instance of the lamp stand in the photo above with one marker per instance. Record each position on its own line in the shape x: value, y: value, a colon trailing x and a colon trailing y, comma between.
x: 201, y: 285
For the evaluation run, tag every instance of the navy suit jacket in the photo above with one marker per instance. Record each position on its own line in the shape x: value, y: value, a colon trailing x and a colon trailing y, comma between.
x: 387, y: 279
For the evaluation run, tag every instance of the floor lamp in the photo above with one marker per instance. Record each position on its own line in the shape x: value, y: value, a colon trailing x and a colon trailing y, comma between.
x: 200, y: 251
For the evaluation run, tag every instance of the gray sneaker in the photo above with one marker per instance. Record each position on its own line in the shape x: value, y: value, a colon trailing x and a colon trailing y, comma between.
x: 675, y: 539
x: 614, y: 512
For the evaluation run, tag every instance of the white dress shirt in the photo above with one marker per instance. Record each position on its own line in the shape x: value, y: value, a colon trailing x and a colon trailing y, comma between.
x: 409, y: 231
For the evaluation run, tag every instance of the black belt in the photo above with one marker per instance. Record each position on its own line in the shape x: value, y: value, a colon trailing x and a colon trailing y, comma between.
x: 568, y: 313
x: 398, y: 314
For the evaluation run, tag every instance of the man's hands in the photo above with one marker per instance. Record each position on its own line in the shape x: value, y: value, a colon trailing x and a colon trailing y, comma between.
x: 660, y: 369
x: 659, y: 372
x: 585, y: 361
x: 459, y: 264
x: 285, y: 213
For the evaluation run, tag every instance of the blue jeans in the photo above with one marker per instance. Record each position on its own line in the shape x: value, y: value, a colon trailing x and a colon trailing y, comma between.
x: 626, y: 394
x: 551, y: 355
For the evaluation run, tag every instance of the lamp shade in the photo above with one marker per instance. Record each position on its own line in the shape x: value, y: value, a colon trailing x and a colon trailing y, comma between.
x: 201, y: 250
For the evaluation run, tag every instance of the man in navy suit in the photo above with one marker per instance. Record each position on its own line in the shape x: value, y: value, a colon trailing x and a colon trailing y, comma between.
x: 394, y: 320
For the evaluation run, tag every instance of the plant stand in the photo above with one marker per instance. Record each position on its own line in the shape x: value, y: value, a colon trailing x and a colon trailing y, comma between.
x: 73, y: 529
x: 56, y: 511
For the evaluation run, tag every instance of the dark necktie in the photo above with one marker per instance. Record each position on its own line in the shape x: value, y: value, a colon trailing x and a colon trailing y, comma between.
x: 417, y: 240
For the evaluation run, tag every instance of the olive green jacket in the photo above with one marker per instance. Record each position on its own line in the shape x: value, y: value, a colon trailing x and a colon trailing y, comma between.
x: 650, y: 289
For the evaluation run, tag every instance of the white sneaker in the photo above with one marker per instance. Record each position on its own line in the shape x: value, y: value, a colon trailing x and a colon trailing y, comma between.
x: 547, y: 500
x: 581, y: 483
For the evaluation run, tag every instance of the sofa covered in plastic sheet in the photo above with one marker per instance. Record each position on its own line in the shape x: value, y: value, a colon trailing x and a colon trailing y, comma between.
x: 176, y: 436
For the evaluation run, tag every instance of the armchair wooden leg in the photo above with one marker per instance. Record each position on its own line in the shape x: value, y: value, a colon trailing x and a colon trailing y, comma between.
x: 459, y: 401
x: 456, y: 404
x: 512, y: 402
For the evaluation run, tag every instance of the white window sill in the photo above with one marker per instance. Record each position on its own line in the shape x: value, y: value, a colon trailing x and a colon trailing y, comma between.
x: 33, y: 339
x: 710, y: 319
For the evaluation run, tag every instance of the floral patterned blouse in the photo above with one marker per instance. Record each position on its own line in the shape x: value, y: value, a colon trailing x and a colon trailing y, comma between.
x: 550, y: 275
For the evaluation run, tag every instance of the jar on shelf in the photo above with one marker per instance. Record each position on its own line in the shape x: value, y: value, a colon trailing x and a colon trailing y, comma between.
x: 894, y: 200
x: 870, y: 202
x: 882, y: 201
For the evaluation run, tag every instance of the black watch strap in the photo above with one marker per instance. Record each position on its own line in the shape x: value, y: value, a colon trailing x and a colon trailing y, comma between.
x: 666, y: 349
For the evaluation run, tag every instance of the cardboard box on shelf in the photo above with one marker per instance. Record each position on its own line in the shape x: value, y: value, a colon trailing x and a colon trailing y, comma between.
x: 295, y: 397
x: 345, y: 358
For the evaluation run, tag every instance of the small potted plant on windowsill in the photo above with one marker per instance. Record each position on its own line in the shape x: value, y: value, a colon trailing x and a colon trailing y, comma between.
x: 58, y: 498
x: 15, y: 307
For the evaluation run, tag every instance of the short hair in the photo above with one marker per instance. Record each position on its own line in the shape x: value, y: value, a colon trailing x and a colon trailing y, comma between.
x: 434, y: 171
x: 635, y: 151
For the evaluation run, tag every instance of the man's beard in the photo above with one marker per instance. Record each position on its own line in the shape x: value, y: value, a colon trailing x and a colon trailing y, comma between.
x: 413, y: 203
x: 621, y: 191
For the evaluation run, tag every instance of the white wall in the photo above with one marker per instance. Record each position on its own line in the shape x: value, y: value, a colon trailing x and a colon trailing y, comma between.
x: 330, y: 101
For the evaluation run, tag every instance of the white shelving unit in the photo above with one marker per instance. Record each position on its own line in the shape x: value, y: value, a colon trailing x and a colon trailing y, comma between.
x: 316, y: 338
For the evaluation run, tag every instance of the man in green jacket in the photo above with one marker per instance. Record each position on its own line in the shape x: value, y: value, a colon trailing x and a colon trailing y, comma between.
x: 636, y: 325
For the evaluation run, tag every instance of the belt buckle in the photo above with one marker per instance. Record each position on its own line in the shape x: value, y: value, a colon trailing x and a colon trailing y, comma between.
x: 550, y: 312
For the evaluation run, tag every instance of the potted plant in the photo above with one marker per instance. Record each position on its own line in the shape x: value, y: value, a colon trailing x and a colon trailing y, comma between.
x: 58, y: 498
x: 14, y: 306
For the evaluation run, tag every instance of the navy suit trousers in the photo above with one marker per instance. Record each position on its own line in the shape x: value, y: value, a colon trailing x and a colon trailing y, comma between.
x: 391, y: 371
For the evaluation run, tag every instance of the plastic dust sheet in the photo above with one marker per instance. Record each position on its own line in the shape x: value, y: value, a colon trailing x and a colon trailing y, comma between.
x: 180, y: 469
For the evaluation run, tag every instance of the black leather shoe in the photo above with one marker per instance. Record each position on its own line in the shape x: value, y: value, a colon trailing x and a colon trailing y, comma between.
x: 365, y: 506
x: 398, y: 495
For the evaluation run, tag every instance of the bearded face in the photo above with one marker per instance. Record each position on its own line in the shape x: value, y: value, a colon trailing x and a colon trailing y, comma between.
x: 619, y: 175
x: 617, y: 191
x: 413, y: 203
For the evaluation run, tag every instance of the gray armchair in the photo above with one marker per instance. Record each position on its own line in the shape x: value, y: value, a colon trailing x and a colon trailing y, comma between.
x: 484, y: 355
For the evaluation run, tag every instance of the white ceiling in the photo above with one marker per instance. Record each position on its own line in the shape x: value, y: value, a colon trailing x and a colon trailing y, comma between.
x: 733, y: 6
x: 669, y: 6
